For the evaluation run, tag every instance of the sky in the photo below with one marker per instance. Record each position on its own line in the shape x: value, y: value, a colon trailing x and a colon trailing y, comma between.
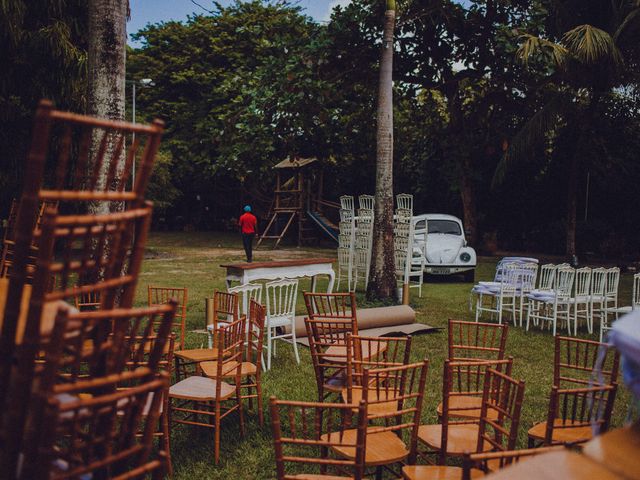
x: 154, y: 11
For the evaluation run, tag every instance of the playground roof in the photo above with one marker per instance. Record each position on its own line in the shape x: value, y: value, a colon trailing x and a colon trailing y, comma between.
x: 297, y: 162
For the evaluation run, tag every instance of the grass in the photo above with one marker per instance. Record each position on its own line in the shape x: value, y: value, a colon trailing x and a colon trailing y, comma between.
x: 192, y: 260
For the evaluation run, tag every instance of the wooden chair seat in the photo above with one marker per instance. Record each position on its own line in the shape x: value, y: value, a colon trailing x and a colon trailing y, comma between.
x: 338, y: 353
x: 210, y: 369
x: 463, y: 406
x: 561, y: 432
x: 200, y: 389
x: 197, y: 354
x: 436, y: 472
x: 461, y: 438
x: 382, y: 448
x: 308, y: 476
x: 374, y: 397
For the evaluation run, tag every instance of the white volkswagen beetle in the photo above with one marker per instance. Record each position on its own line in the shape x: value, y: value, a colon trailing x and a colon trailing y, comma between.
x: 441, y: 239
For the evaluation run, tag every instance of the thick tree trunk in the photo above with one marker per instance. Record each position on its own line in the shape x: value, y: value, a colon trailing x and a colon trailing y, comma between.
x: 106, y: 67
x: 382, y: 284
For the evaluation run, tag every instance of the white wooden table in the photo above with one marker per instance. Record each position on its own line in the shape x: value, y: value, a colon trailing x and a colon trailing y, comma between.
x: 308, y: 267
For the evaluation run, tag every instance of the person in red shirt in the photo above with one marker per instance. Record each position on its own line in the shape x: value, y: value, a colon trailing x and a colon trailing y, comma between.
x: 249, y: 229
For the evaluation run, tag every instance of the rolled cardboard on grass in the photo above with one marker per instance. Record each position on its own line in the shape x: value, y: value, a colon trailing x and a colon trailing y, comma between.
x: 375, y: 322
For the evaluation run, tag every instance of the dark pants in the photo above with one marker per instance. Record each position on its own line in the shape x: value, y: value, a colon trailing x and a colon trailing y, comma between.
x: 247, y: 243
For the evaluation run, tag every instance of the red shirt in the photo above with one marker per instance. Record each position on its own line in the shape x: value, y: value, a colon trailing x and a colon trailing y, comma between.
x: 248, y: 223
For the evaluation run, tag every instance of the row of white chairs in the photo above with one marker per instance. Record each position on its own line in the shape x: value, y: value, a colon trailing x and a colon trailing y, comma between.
x: 563, y: 294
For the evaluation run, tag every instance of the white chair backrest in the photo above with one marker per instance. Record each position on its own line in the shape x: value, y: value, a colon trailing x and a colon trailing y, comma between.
x: 527, y: 273
x: 598, y: 281
x: 636, y: 292
x: 346, y: 215
x: 402, y: 230
x: 247, y: 292
x: 345, y: 228
x: 510, y: 276
x: 401, y: 243
x: 362, y: 257
x: 365, y: 215
x: 547, y: 276
x: 404, y: 201
x: 400, y: 257
x: 343, y: 257
x: 366, y: 202
x: 613, y: 280
x: 583, y: 281
x: 281, y: 298
x: 403, y: 215
x: 344, y: 241
x: 346, y: 202
x: 564, y: 281
x: 363, y: 241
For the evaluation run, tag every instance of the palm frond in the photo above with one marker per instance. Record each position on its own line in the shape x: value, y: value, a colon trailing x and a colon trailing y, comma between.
x: 530, y: 135
x: 629, y: 20
x: 533, y: 47
x: 591, y: 45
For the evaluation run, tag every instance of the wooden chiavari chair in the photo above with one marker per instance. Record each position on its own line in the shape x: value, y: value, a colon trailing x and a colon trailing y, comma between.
x: 455, y: 435
x: 575, y: 384
x: 328, y: 347
x: 462, y: 384
x: 161, y: 295
x: 251, y: 369
x: 575, y: 359
x: 225, y: 310
x: 365, y: 353
x: 331, y: 305
x: 391, y: 436
x: 497, y: 428
x: 304, y: 434
x: 476, y: 340
x: 81, y: 244
x: 475, y: 465
x: 93, y: 429
x: 574, y: 414
x: 87, y: 301
x: 88, y: 346
x: 199, y: 397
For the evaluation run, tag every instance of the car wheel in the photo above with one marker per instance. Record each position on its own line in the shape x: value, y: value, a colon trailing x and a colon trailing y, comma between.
x: 470, y: 276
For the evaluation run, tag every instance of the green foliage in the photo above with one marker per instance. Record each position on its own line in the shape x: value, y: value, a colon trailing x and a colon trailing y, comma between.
x: 43, y: 55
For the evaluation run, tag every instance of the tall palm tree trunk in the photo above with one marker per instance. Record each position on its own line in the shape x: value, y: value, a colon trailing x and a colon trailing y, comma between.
x: 106, y: 67
x: 382, y: 284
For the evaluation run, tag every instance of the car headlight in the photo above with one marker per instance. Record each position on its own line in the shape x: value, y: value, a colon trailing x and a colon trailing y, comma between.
x: 465, y: 257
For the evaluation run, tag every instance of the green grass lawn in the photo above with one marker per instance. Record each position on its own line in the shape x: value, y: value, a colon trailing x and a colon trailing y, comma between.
x: 192, y: 260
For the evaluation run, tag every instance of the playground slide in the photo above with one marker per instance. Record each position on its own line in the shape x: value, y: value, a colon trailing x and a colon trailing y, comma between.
x: 324, y: 225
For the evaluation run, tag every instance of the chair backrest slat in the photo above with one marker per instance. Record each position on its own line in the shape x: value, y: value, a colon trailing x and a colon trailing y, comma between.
x: 476, y: 340
x: 304, y: 432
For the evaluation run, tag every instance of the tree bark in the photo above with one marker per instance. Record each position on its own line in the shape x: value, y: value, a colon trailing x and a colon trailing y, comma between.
x: 106, y: 70
x: 382, y: 284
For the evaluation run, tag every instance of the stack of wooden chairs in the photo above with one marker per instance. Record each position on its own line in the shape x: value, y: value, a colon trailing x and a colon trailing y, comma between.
x: 84, y: 375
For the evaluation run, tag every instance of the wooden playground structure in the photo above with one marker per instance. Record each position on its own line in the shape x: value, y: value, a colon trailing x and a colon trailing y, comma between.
x: 298, y: 199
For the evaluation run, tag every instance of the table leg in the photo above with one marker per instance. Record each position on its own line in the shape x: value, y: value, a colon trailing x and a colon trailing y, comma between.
x: 332, y: 278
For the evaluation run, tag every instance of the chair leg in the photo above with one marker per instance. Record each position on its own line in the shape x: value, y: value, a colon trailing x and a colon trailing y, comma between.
x: 478, y: 306
x: 259, y: 402
x: 216, y: 444
x: 269, y: 342
x: 166, y: 434
x: 295, y: 343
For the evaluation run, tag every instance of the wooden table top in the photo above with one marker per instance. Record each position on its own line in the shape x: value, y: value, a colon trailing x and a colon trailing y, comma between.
x: 564, y: 464
x: 612, y: 455
x: 283, y: 263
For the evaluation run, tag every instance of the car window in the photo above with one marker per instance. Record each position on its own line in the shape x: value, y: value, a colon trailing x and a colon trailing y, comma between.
x: 420, y: 225
x: 444, y: 226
